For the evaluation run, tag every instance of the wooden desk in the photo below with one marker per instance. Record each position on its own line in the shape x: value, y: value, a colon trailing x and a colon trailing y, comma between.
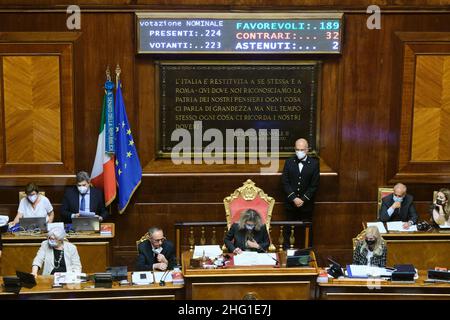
x: 44, y: 290
x: 424, y: 249
x: 363, y: 289
x: 19, y: 251
x: 256, y: 282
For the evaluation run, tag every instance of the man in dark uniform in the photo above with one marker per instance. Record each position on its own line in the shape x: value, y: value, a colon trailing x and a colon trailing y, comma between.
x: 157, y: 253
x: 300, y: 179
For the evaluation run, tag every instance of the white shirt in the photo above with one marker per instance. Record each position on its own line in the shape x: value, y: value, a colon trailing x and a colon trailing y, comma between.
x: 369, y: 256
x: 300, y: 164
x: 42, y: 209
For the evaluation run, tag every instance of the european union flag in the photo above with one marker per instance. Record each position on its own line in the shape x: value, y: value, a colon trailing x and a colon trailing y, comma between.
x: 128, y: 166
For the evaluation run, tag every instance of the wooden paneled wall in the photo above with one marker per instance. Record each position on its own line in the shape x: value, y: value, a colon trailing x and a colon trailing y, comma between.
x: 361, y: 121
x: 431, y: 139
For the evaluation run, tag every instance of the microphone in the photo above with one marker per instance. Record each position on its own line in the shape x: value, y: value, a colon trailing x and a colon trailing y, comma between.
x: 162, y: 282
x: 276, y: 260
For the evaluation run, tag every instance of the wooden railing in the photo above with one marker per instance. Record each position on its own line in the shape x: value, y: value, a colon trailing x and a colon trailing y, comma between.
x: 189, y: 234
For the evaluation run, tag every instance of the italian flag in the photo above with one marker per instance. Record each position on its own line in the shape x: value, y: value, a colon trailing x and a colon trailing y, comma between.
x: 103, y: 175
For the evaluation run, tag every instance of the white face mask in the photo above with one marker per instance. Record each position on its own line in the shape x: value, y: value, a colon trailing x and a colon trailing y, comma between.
x: 157, y: 250
x: 82, y: 189
x: 300, y: 154
x: 32, y: 198
x: 52, y: 243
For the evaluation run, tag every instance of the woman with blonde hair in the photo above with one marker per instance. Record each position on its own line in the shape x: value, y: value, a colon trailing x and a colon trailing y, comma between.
x: 250, y: 234
x: 441, y: 208
x: 372, y: 250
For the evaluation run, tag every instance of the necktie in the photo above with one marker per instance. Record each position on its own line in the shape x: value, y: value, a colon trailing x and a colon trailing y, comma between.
x: 83, y: 204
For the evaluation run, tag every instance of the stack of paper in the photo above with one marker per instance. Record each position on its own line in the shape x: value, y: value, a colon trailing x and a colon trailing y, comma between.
x: 142, y: 277
x: 210, y: 251
x: 379, y: 225
x: 251, y: 258
x: 68, y: 277
x: 166, y: 276
x: 362, y: 271
x: 398, y: 226
x: 86, y: 214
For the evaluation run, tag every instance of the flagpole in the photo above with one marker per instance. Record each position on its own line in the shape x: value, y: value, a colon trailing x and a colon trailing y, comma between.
x: 108, y: 73
x: 118, y: 71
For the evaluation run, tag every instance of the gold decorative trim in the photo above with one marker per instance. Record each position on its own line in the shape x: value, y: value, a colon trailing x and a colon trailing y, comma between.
x: 248, y: 192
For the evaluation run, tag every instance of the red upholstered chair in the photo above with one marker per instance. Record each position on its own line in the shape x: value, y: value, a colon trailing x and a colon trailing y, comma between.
x: 246, y: 197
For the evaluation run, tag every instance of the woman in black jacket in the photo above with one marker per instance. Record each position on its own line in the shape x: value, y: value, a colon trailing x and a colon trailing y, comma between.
x: 248, y: 234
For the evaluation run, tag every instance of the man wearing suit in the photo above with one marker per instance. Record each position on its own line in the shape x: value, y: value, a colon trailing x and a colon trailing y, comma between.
x: 300, y: 179
x: 398, y: 206
x: 156, y: 253
x: 83, y: 198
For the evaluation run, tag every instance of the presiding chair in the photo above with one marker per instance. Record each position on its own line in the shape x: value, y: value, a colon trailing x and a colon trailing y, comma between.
x: 145, y: 237
x: 246, y: 197
x: 382, y: 192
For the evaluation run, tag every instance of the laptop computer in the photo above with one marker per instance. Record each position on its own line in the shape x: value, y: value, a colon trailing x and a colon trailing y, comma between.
x: 11, y: 284
x: 86, y: 224
x: 439, y: 275
x: 27, y: 280
x: 299, y: 258
x: 118, y: 273
x: 34, y: 224
x: 335, y: 269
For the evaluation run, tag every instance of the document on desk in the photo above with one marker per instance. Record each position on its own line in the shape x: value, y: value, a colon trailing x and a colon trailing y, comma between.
x: 361, y: 271
x: 250, y: 258
x: 210, y: 251
x: 379, y: 225
x: 142, y: 277
x: 161, y: 275
x: 68, y: 277
x: 398, y: 226
x: 86, y: 214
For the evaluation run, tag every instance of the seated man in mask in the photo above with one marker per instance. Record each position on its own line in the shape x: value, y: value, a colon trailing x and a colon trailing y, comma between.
x: 399, y: 206
x: 83, y: 198
x: 157, y: 253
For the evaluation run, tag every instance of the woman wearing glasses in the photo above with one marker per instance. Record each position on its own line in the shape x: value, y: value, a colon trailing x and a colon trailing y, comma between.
x: 56, y: 255
x: 157, y: 253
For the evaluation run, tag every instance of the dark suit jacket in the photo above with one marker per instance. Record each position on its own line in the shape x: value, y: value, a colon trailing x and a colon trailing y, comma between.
x: 300, y: 185
x: 406, y: 212
x: 236, y: 238
x: 146, y: 257
x: 71, y: 203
